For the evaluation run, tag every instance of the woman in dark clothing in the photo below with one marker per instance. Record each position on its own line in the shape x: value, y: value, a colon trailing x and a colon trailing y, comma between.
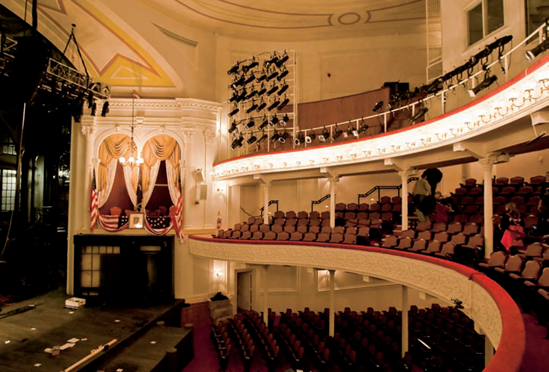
x: 512, y: 228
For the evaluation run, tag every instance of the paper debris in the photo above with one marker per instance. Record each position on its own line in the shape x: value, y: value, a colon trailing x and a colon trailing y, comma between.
x: 117, y: 321
x: 48, y: 350
x: 33, y: 329
x: 73, y: 340
x: 7, y: 341
x: 37, y: 365
x: 153, y: 342
x: 66, y: 346
x: 84, y: 339
x: 71, y: 312
x: 119, y: 370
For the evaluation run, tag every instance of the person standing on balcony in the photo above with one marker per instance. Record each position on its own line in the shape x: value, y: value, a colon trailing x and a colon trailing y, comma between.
x: 421, y: 189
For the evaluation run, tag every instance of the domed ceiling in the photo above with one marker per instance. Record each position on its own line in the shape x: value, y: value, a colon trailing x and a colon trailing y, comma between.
x: 118, y: 51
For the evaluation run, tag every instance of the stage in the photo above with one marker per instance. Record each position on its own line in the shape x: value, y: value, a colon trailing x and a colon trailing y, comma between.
x: 144, y: 334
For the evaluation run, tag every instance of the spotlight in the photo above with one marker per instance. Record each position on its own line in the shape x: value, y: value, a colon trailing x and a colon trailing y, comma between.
x: 250, y: 66
x: 284, y: 120
x: 261, y: 106
x: 300, y: 139
x: 233, y: 70
x: 105, y: 109
x: 275, y: 137
x: 250, y: 124
x: 488, y: 80
x: 265, y: 123
x: 262, y: 77
x: 273, y: 121
x: 249, y: 79
x: 284, y: 103
x: 351, y: 131
x: 338, y: 132
x: 273, y: 89
x: 363, y: 127
x: 234, y: 97
x: 273, y: 105
x: 282, y: 60
x: 252, y: 139
x: 274, y: 59
x: 235, y: 111
x: 324, y: 136
x: 233, y: 127
x: 272, y: 75
x: 262, y: 90
x: 262, y: 138
x: 238, y: 82
x: 252, y: 94
x: 283, y: 74
x: 283, y: 137
x: 422, y: 111
x: 310, y: 138
x: 242, y: 95
x: 252, y: 107
x: 540, y: 48
x: 284, y: 88
x: 237, y: 143
x: 377, y: 106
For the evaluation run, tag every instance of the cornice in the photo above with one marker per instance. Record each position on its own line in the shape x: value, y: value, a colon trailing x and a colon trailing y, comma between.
x: 443, y: 279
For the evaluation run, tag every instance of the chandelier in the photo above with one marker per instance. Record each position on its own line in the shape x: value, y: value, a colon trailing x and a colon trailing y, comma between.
x: 134, y: 158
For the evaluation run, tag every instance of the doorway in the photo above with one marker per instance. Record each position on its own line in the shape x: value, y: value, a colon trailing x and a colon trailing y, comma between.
x: 244, y: 297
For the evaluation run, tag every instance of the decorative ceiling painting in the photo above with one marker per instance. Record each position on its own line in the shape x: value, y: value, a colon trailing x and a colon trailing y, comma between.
x: 113, y: 52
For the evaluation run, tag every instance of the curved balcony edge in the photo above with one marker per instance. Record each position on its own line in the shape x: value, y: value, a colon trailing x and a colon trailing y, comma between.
x: 484, y: 300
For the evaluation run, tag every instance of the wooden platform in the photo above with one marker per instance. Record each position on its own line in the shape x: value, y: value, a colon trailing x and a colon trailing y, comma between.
x: 28, y: 328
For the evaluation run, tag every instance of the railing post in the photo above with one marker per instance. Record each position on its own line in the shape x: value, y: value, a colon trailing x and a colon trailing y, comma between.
x: 333, y: 182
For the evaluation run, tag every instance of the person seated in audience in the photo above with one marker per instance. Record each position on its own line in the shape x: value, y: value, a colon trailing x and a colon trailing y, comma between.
x: 442, y: 208
x: 512, y: 228
x: 421, y: 189
x: 543, y: 222
x: 426, y: 207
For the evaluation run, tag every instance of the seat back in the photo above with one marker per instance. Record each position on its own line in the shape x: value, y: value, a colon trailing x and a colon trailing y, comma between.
x: 442, y: 237
x: 427, y: 235
x: 258, y: 235
x: 433, y: 247
x: 323, y: 237
x: 419, y: 245
x: 302, y: 215
x: 284, y: 235
x: 309, y: 237
x: 290, y: 215
x: 340, y: 207
x: 454, y: 228
x: 390, y: 242
x: 339, y: 230
x: 543, y: 281
x: 408, y: 234
x: 459, y: 239
x: 534, y: 250
x: 246, y: 235
x: 422, y: 226
x: 531, y: 270
x: 336, y: 238
x: 349, y: 238
x: 514, y: 264
x: 405, y: 243
x: 448, y: 248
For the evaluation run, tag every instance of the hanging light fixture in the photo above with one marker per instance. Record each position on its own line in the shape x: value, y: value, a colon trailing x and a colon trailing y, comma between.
x: 134, y: 158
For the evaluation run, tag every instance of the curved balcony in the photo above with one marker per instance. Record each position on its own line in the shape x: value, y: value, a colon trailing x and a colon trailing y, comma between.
x: 511, y: 103
x: 484, y: 301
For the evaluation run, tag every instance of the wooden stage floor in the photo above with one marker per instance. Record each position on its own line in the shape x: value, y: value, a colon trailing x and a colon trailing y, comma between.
x: 29, y: 327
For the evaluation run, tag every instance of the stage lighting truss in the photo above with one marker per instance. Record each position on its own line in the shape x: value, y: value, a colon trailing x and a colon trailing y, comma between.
x: 262, y: 95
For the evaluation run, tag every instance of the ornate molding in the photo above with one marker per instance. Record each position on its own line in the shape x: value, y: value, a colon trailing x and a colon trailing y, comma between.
x: 188, y: 133
x: 209, y: 135
x: 440, y: 281
x: 88, y: 130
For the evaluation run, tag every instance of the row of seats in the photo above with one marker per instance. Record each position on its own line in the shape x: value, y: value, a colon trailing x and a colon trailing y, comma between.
x: 321, y: 237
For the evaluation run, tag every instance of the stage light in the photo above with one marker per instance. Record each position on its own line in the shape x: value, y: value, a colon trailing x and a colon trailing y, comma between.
x: 540, y: 48
x: 262, y: 77
x: 250, y: 66
x: 233, y: 127
x: 252, y: 94
x: 238, y: 82
x: 237, y: 143
x: 265, y: 123
x: 284, y: 103
x: 252, y: 139
x: 261, y: 106
x: 283, y: 137
x: 233, y: 70
x: 300, y: 139
x: 249, y: 79
x: 252, y: 107
x: 272, y: 75
x: 422, y: 111
x: 282, y: 60
x: 273, y: 121
x: 285, y: 120
x: 337, y: 132
x: 235, y: 111
x: 274, y: 59
x: 283, y: 74
x: 310, y: 138
x: 363, y: 127
x: 242, y: 95
x: 284, y: 88
x: 273, y: 105
x: 275, y: 137
x: 250, y: 124
x: 105, y: 109
x: 262, y: 91
x: 273, y: 89
x: 262, y: 138
x: 488, y: 80
x: 377, y: 106
x: 234, y: 97
x: 351, y: 131
x: 324, y: 136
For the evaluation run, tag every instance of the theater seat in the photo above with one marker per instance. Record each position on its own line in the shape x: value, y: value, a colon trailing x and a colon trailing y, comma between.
x: 309, y: 237
x: 296, y: 236
x: 390, y: 242
x: 447, y: 251
x: 336, y: 238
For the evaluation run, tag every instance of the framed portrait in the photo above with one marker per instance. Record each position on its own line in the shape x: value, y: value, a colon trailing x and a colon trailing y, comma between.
x: 136, y: 221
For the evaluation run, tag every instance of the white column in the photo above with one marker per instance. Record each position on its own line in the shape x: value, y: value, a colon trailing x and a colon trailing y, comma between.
x: 405, y: 307
x: 488, y: 351
x: 265, y: 294
x: 404, y: 179
x: 333, y: 182
x: 266, y: 186
x: 487, y: 165
x: 331, y: 320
